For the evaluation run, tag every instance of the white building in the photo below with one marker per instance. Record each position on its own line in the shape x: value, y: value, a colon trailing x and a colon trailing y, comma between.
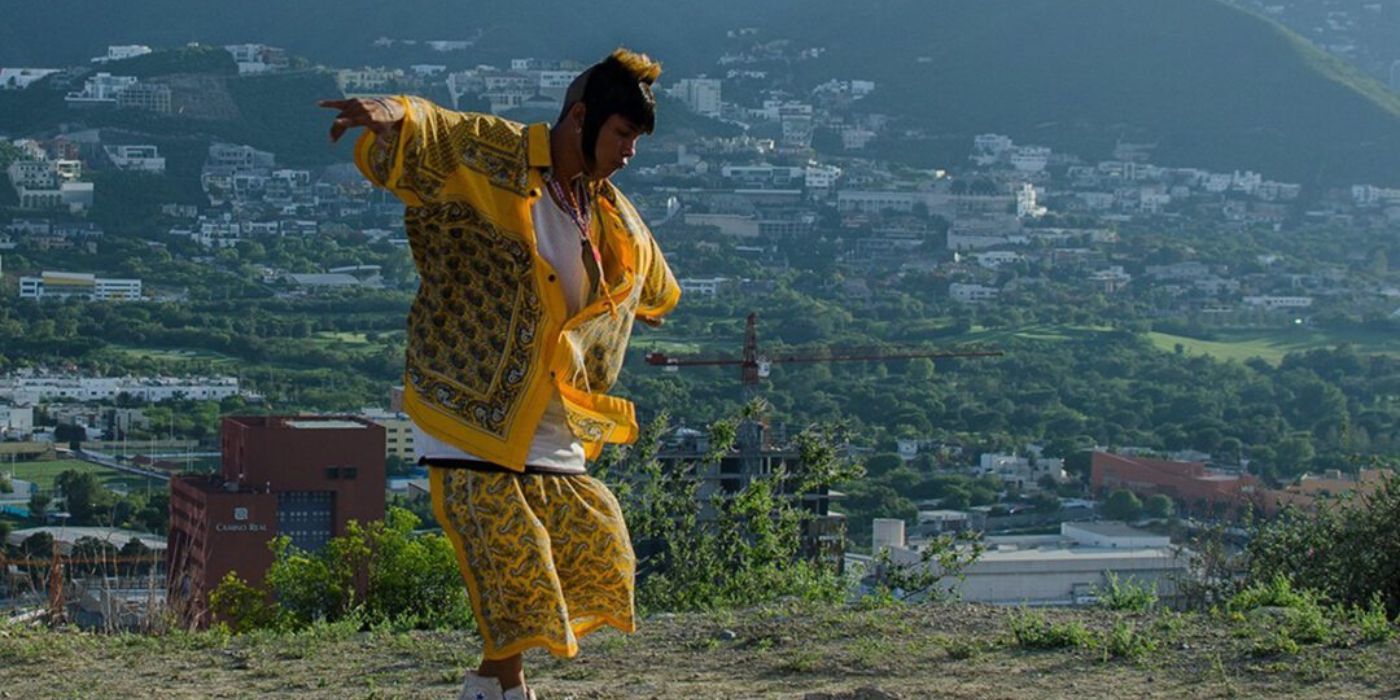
x: 854, y: 138
x: 66, y: 285
x: 1030, y: 159
x: 121, y: 53
x: 822, y: 177
x: 50, y: 184
x: 238, y: 157
x: 398, y: 432
x: 1026, y: 204
x: 100, y: 90
x: 367, y: 79
x: 1023, y: 473
x: 1273, y: 302
x: 554, y: 83
x: 703, y: 286
x: 41, y: 388
x: 141, y: 158
x: 16, y: 421
x: 968, y: 293
x: 253, y: 59
x: 1071, y: 568
x: 994, y: 259
x: 989, y: 148
x: 21, y: 78
x: 701, y: 95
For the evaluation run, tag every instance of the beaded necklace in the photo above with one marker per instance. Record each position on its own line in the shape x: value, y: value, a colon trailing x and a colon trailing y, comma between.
x: 577, y: 209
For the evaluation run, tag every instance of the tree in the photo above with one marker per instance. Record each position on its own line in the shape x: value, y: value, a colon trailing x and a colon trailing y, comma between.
x: 39, y: 544
x: 957, y: 498
x: 880, y: 464
x: 1122, y: 505
x: 919, y: 370
x: 1045, y: 503
x: 81, y: 494
x: 1160, y: 506
x: 38, y: 505
x: 69, y: 434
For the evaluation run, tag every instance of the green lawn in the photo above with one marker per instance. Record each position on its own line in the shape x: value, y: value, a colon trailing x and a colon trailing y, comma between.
x: 354, y: 342
x: 44, y: 473
x: 128, y: 352
x: 1272, y: 344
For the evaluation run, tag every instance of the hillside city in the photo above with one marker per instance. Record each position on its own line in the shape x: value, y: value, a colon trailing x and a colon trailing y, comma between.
x: 1182, y: 348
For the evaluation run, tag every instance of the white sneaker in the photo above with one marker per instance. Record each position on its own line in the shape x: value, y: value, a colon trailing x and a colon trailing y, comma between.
x: 484, y: 688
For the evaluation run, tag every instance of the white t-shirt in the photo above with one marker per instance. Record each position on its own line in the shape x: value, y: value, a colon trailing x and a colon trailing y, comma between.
x: 554, y: 445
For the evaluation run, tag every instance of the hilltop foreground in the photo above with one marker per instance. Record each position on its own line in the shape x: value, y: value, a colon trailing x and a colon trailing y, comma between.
x: 786, y: 651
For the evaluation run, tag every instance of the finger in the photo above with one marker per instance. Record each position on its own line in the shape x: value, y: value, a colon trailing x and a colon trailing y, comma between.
x: 333, y: 104
x: 338, y: 128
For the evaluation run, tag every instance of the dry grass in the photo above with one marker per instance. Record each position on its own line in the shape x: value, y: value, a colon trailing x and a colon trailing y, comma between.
x: 793, y: 651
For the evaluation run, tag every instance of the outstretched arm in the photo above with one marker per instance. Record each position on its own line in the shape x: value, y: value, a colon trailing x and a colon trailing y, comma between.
x: 410, y: 146
x: 378, y: 114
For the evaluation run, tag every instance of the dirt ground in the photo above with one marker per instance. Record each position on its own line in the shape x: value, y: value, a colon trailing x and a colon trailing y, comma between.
x: 795, y: 651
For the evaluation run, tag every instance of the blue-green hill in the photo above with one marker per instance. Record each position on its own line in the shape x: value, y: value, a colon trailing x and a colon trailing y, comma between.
x: 1210, y: 84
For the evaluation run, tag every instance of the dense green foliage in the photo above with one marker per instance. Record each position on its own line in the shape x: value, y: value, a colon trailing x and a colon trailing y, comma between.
x: 1347, y: 552
x: 184, y: 59
x: 747, y: 550
x: 409, y: 581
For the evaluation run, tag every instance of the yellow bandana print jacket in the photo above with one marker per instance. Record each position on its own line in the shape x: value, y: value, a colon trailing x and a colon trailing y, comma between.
x: 489, y: 337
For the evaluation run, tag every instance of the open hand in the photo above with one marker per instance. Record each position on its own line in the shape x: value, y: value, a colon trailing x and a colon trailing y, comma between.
x: 377, y: 114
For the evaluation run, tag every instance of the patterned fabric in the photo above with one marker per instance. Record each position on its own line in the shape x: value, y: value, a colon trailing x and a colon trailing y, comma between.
x: 490, y: 339
x: 546, y: 559
x: 475, y: 321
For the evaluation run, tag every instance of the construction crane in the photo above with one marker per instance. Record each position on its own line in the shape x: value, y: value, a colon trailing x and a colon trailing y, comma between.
x: 754, y: 366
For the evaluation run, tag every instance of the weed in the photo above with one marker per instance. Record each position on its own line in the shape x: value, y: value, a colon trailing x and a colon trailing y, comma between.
x: 1278, y: 592
x: 1127, y: 595
x: 801, y: 661
x: 1372, y: 621
x: 1031, y: 630
x: 1125, y: 642
x: 1218, y: 666
x: 963, y: 650
x: 1274, y: 642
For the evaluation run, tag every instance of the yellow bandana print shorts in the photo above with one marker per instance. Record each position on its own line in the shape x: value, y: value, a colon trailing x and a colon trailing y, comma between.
x: 546, y: 558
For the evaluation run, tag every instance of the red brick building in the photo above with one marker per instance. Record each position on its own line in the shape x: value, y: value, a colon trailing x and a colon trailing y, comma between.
x: 305, y: 477
x: 1188, y: 483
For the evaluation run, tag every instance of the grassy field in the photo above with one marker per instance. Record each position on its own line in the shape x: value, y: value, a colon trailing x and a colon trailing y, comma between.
x: 173, y: 356
x: 1271, y: 345
x: 797, y: 651
x: 44, y: 473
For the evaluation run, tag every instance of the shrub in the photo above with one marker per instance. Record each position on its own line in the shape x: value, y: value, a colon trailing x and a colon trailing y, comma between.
x: 1127, y: 595
x: 1031, y: 630
x: 239, y: 605
x: 1348, y: 551
x: 1284, y: 612
x: 1125, y: 642
x: 1276, y: 593
x: 1373, y: 622
x: 409, y: 581
x: 749, y: 549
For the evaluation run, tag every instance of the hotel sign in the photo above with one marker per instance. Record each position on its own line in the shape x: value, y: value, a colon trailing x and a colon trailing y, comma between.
x: 240, y: 524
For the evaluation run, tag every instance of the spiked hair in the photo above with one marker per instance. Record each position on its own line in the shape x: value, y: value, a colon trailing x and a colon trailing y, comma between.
x: 619, y: 84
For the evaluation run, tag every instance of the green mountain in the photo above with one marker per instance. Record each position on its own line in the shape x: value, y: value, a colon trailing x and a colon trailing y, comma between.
x: 1210, y: 84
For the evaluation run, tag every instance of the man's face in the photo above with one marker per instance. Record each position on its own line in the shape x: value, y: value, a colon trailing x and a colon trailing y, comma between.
x: 617, y: 143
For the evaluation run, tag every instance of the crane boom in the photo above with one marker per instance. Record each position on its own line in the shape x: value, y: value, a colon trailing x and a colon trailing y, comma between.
x: 754, y: 365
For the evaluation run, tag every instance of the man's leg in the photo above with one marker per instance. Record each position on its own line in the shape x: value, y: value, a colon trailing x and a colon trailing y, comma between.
x: 510, y: 671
